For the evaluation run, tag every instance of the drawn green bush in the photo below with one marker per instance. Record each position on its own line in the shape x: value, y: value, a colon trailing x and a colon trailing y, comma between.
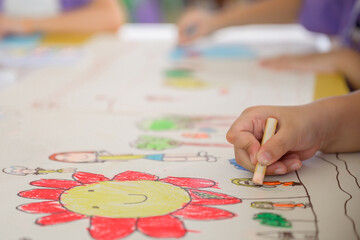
x: 155, y: 143
x: 271, y: 219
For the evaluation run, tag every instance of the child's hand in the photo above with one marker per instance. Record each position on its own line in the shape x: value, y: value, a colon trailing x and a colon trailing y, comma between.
x: 195, y: 23
x: 13, y: 26
x: 298, y: 137
x: 345, y: 61
x: 317, y: 62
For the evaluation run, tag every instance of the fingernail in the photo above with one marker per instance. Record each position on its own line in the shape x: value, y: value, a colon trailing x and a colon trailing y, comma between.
x: 280, y: 171
x: 295, y: 166
x: 264, y: 158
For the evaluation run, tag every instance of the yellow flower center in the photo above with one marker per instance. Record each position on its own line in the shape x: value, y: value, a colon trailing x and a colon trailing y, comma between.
x: 125, y: 199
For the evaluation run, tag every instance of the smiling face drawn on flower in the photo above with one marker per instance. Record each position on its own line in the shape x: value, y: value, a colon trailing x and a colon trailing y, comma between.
x: 75, y: 157
x: 127, y: 203
x: 125, y: 199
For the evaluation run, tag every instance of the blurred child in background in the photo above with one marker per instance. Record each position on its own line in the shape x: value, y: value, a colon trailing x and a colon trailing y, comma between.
x: 59, y: 16
x: 339, y: 19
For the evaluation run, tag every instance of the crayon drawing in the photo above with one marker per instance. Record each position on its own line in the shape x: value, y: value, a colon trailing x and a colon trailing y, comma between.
x: 220, y: 51
x: 184, y: 79
x: 23, y: 171
x: 288, y: 235
x: 162, y: 143
x: 104, y: 156
x: 279, y: 205
x: 236, y: 165
x: 346, y: 186
x: 130, y: 201
x: 181, y: 122
x: 40, y: 56
x: 247, y: 182
x: 272, y: 219
x: 196, y: 135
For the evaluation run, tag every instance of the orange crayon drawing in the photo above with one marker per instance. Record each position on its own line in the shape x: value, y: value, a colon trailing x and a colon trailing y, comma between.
x: 247, y: 182
x: 279, y: 205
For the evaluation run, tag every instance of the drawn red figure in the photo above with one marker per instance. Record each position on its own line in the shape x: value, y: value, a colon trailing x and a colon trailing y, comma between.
x: 131, y: 201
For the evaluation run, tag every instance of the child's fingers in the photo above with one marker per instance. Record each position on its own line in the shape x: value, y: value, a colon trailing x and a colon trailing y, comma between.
x: 277, y: 168
x: 243, y: 159
x: 287, y: 164
x: 189, y: 33
x: 247, y: 142
x: 280, y: 63
x: 292, y: 163
x: 276, y: 147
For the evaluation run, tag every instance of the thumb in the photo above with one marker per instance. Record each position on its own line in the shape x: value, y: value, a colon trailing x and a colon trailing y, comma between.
x: 276, y: 147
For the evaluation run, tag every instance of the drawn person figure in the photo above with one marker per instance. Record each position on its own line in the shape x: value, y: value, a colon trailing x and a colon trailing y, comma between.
x: 279, y: 205
x: 103, y: 156
x: 247, y: 182
x: 23, y: 171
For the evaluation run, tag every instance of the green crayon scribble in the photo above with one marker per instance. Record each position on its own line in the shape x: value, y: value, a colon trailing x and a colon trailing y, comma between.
x: 178, y: 73
x: 271, y: 219
x: 155, y: 143
x: 162, y: 124
x: 166, y: 123
x: 206, y: 195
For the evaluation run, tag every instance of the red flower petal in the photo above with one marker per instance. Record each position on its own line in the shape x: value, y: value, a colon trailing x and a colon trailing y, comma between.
x: 111, y: 228
x: 56, y: 183
x: 57, y: 218
x: 163, y: 226
x: 189, y: 182
x: 203, y: 213
x: 85, y: 177
x: 134, y: 176
x: 42, y: 207
x: 202, y: 197
x: 47, y: 194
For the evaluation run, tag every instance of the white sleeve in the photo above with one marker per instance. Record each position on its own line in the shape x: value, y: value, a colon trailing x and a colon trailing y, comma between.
x: 31, y: 8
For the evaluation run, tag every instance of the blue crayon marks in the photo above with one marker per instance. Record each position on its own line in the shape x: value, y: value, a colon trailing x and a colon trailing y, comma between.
x: 180, y: 53
x: 237, y: 166
x: 229, y: 52
x: 21, y: 40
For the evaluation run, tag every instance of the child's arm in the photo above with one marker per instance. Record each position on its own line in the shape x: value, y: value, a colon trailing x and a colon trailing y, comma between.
x: 99, y: 15
x: 344, y: 61
x: 270, y: 11
x: 329, y: 125
x: 262, y: 12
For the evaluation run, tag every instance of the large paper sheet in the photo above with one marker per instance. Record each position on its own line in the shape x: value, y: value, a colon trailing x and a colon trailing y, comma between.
x: 127, y: 144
